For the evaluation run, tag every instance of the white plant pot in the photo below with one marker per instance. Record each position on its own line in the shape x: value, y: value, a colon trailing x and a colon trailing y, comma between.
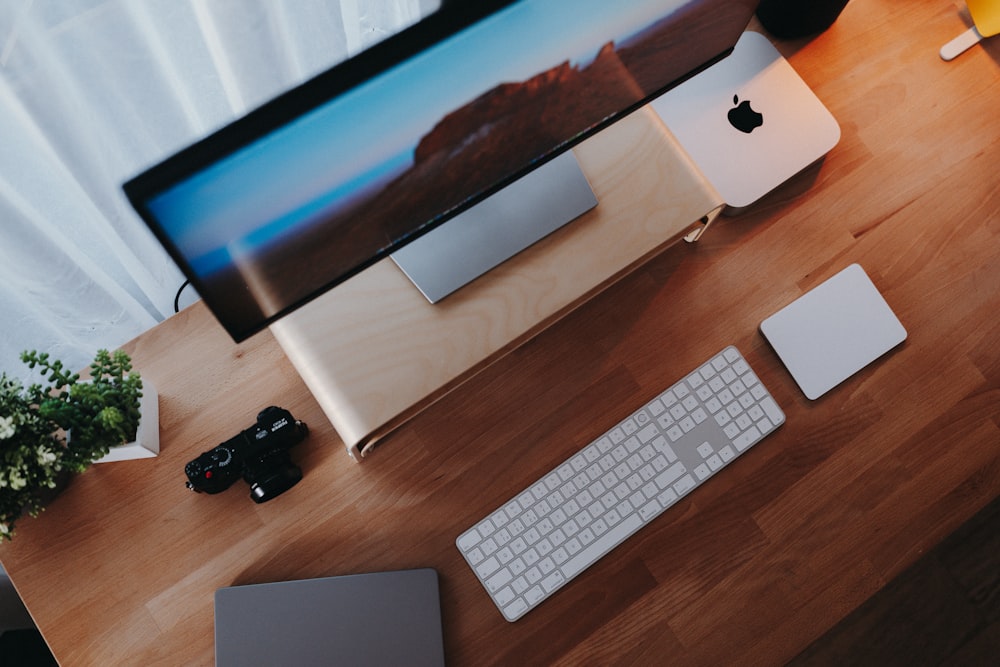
x: 147, y: 438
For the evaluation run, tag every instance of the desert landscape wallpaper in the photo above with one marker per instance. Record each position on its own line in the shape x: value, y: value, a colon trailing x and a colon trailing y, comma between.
x: 282, y: 240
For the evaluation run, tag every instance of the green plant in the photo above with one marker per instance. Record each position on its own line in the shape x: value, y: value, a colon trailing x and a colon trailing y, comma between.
x: 30, y: 455
x: 64, y: 424
x: 100, y: 412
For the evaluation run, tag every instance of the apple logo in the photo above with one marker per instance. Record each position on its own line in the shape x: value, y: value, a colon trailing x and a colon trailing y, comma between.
x: 743, y: 117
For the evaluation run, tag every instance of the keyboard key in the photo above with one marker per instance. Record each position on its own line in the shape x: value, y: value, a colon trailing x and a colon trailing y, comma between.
x: 685, y: 484
x: 649, y: 510
x: 772, y: 410
x: 583, y: 559
x: 670, y: 475
x: 553, y: 581
x: 505, y: 596
x: 469, y: 540
x: 746, y: 439
x: 499, y: 580
x: 515, y: 610
x: 648, y: 433
x: 488, y: 567
x: 667, y: 498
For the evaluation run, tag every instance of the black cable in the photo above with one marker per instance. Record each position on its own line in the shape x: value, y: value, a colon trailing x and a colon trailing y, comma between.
x: 177, y: 298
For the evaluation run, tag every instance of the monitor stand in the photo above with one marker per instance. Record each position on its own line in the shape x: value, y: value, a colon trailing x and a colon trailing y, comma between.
x: 475, y: 241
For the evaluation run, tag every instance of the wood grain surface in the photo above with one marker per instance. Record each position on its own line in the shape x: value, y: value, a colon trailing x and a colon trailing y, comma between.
x: 753, y: 566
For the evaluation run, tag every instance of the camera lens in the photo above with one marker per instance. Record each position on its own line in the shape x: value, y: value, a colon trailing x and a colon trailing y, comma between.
x: 275, y: 482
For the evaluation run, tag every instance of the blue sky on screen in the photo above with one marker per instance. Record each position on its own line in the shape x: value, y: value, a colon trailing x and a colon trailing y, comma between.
x: 295, y: 175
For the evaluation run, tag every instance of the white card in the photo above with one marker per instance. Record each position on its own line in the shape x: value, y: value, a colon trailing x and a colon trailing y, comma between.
x: 833, y: 331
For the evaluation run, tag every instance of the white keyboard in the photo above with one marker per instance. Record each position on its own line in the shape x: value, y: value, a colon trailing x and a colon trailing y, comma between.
x: 540, y: 539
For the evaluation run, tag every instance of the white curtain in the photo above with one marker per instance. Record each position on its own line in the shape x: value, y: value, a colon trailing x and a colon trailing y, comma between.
x: 94, y: 91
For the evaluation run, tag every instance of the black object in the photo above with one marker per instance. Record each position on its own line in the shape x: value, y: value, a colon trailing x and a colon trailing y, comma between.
x: 789, y: 19
x: 25, y: 648
x: 259, y: 455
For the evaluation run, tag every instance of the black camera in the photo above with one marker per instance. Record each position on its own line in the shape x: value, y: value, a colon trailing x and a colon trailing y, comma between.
x: 259, y: 455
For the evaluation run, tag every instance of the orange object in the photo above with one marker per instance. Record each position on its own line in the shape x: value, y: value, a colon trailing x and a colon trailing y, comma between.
x: 986, y: 15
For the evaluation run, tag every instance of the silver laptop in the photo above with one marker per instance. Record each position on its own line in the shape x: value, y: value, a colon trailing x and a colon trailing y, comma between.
x: 749, y: 122
x: 383, y: 618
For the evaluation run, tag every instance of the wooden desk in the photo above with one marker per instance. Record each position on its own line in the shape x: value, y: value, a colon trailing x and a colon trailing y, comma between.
x: 753, y: 566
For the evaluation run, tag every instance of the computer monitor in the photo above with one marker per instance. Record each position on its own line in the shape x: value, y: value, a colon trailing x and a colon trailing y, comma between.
x: 308, y: 190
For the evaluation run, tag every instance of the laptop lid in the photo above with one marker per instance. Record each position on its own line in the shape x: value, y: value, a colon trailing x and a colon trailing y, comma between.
x: 383, y: 618
x: 749, y: 122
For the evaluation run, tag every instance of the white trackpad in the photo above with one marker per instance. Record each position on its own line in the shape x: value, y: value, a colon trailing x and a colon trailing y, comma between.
x: 833, y: 331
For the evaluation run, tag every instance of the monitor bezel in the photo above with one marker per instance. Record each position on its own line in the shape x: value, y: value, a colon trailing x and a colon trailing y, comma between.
x: 450, y: 19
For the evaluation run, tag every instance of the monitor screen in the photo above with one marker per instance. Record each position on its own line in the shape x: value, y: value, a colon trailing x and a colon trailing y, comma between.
x: 313, y: 187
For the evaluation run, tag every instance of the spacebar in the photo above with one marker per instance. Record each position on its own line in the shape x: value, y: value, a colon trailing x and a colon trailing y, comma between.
x: 601, y: 546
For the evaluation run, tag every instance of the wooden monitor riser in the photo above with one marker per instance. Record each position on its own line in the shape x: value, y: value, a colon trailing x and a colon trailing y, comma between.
x: 375, y: 353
